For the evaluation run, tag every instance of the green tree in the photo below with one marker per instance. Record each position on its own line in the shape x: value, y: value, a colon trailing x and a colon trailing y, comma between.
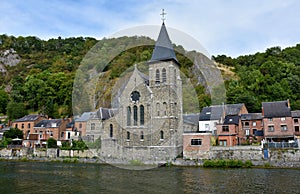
x: 51, y: 143
x: 15, y: 110
x: 4, y: 98
x: 13, y: 133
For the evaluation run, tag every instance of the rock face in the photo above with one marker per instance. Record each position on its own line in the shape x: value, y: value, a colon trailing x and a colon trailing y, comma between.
x: 8, y: 58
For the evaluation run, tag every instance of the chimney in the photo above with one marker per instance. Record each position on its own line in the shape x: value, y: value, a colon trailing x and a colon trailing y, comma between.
x: 288, y: 103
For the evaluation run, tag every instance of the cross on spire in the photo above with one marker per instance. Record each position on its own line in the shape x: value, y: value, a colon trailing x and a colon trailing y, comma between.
x: 163, y: 13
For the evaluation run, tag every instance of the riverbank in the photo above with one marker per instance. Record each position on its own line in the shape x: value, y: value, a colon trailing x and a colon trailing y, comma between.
x: 277, y: 158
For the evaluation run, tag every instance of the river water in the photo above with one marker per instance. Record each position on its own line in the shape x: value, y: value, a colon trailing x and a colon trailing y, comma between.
x: 43, y: 177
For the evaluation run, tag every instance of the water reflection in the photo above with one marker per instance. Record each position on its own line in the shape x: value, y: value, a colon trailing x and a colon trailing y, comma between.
x: 18, y: 177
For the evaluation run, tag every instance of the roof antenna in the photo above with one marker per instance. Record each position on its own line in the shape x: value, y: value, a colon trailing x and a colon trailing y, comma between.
x: 163, y: 13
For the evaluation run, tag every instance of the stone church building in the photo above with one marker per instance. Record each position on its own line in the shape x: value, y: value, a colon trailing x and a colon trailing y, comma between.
x: 147, y: 124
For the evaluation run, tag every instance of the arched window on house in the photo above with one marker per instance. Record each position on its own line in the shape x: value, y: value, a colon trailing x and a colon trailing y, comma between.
x: 135, y: 115
x: 161, y: 135
x: 128, y: 116
x: 157, y: 109
x: 157, y: 76
x: 165, y: 109
x: 111, y: 130
x: 142, y: 135
x: 142, y: 119
x: 164, y: 75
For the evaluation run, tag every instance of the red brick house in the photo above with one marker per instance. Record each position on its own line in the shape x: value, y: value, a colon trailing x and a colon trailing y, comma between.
x: 278, y: 122
x: 195, y: 145
x: 252, y: 128
x: 228, y: 128
x: 27, y: 123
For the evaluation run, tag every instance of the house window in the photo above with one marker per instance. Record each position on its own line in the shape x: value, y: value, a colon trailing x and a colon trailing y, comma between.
x: 128, y: 135
x: 164, y: 75
x: 41, y: 134
x: 157, y: 109
x: 28, y: 125
x: 247, y: 124
x: 93, y: 126
x: 295, y: 120
x: 111, y: 130
x: 22, y: 126
x: 157, y: 77
x: 296, y: 128
x: 51, y: 133
x: 62, y: 134
x: 247, y: 132
x: 254, y: 123
x: 196, y: 142
x: 69, y: 135
x: 142, y: 119
x: 283, y: 127
x: 128, y: 116
x: 161, y: 135
x: 225, y: 128
x: 16, y: 125
x: 80, y: 125
x: 165, y: 108
x: 282, y: 118
x: 223, y: 143
x: 142, y: 135
x: 254, y: 131
x: 135, y: 115
x: 270, y: 119
x: 206, y: 126
x: 271, y: 128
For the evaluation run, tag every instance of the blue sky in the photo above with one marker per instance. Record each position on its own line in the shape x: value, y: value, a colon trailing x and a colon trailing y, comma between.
x: 231, y: 27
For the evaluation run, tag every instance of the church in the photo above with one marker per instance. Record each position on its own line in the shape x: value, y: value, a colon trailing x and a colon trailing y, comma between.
x: 147, y: 124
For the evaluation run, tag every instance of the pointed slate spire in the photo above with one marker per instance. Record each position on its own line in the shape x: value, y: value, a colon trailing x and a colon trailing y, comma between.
x: 163, y: 47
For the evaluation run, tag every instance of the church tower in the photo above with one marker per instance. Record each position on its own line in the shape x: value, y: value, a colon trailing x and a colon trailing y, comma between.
x: 166, y: 85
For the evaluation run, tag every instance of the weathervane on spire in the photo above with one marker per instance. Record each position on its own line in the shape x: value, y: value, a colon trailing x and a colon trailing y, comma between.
x: 163, y: 13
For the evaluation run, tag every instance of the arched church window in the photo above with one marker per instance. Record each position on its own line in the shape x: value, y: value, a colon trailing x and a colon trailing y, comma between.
x: 142, y: 135
x: 128, y: 116
x: 135, y: 115
x: 158, y: 109
x: 165, y: 108
x: 142, y: 119
x: 161, y: 135
x: 157, y: 77
x: 128, y: 135
x: 93, y: 126
x: 164, y: 75
x: 111, y: 130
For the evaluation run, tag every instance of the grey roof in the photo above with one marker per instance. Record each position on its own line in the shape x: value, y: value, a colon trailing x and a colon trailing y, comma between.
x: 233, y: 109
x: 231, y: 120
x: 276, y: 109
x: 28, y: 118
x: 49, y: 123
x: 296, y: 113
x: 191, y: 119
x: 216, y: 112
x: 251, y: 116
x: 84, y: 117
x: 105, y: 113
x: 163, y: 49
x: 211, y: 113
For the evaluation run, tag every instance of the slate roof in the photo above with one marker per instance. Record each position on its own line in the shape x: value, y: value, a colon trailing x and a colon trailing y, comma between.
x: 251, y: 116
x: 163, y: 49
x: 49, y: 123
x: 231, y: 120
x: 276, y: 109
x: 84, y: 117
x: 105, y: 113
x: 211, y: 113
x: 28, y: 118
x: 296, y: 114
x: 191, y: 119
x: 216, y: 112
